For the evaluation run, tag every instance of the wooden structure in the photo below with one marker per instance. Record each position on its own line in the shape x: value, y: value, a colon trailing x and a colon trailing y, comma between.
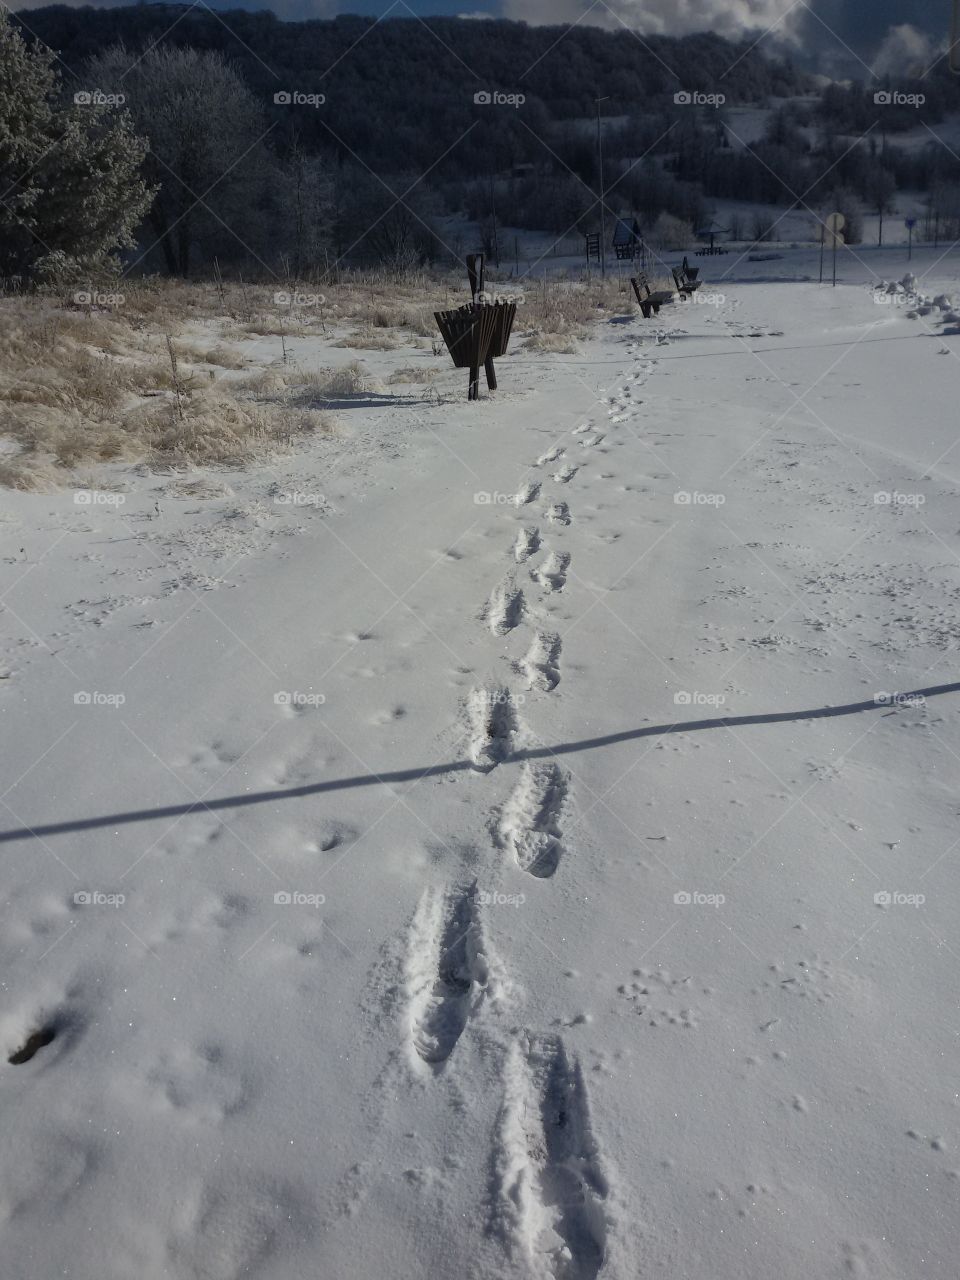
x: 477, y: 332
x: 687, y: 279
x: 593, y: 248
x: 649, y: 301
x: 627, y: 240
x: 710, y: 233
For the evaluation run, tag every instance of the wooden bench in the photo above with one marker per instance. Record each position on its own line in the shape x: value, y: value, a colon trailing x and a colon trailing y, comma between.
x: 648, y: 301
x: 686, y: 279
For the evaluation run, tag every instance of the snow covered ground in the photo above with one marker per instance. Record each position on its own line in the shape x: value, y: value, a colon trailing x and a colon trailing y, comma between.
x: 495, y: 840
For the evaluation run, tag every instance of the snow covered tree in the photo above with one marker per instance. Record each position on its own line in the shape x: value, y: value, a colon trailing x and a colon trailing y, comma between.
x: 71, y: 191
x: 219, y: 186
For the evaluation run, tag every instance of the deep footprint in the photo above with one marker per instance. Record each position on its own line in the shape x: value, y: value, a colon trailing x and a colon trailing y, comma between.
x: 505, y: 608
x: 552, y: 574
x: 552, y: 1186
x: 541, y: 666
x: 444, y: 965
x: 493, y: 723
x: 530, y: 824
x: 526, y: 545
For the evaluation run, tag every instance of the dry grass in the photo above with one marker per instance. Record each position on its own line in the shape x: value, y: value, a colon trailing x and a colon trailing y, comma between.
x: 79, y: 388
x: 413, y: 373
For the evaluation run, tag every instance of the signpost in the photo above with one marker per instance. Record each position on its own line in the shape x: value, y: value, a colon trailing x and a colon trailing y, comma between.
x: 910, y: 223
x: 834, y: 226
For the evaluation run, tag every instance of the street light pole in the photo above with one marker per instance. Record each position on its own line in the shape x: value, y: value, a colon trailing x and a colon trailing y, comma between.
x: 603, y: 251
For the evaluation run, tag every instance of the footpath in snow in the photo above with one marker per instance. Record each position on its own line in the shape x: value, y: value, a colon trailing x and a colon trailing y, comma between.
x: 499, y: 842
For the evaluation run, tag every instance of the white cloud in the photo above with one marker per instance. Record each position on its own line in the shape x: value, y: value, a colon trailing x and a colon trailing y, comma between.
x: 734, y: 19
x: 905, y: 51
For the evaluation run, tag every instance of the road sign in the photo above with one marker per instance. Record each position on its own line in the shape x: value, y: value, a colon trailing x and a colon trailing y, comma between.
x: 835, y: 223
x: 909, y: 223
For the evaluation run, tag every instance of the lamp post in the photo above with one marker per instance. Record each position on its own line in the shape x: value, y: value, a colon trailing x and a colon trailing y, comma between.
x: 603, y: 251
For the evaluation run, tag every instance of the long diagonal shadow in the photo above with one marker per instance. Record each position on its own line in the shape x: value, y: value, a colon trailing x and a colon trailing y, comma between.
x: 26, y: 832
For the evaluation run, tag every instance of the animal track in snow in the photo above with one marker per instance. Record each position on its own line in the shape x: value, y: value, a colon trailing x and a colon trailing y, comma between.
x: 505, y: 608
x: 526, y: 545
x: 541, y: 666
x: 552, y: 574
x: 565, y: 474
x: 551, y: 1185
x: 446, y: 972
x: 493, y: 723
x: 527, y: 494
x: 558, y: 513
x: 550, y: 456
x: 530, y: 821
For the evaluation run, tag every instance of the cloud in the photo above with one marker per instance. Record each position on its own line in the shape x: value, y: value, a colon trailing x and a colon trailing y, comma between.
x: 906, y: 51
x: 731, y: 18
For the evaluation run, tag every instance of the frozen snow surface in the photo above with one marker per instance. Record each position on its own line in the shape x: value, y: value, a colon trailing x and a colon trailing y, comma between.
x: 505, y: 839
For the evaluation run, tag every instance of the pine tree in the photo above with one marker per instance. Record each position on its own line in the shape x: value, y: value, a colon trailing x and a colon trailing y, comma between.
x: 71, y: 192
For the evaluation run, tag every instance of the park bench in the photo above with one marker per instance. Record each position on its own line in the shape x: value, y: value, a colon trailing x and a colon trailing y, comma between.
x: 709, y: 249
x: 686, y: 279
x: 649, y: 301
